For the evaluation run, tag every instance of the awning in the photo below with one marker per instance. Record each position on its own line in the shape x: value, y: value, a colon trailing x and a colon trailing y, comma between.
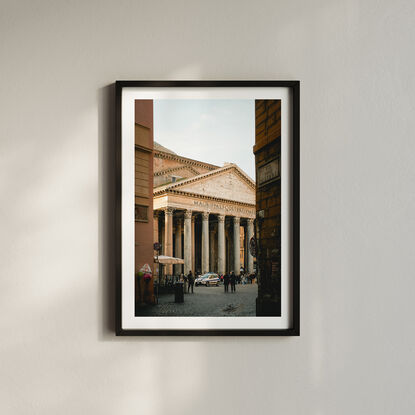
x: 163, y: 259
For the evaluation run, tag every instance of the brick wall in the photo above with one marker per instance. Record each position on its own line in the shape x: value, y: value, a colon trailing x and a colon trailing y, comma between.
x: 267, y: 152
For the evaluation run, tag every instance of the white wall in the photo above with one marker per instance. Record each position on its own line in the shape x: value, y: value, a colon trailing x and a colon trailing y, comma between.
x: 356, y: 63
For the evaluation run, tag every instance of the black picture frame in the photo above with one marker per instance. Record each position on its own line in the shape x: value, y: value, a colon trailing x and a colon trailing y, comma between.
x: 294, y: 87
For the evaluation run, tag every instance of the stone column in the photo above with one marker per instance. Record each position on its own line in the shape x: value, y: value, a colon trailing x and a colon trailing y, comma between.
x: 168, y: 237
x: 193, y: 244
x: 245, y: 265
x: 156, y: 239
x: 249, y: 235
x: 178, y: 242
x: 236, y: 246
x: 211, y: 248
x: 155, y: 226
x: 187, y: 242
x: 205, y: 242
x: 162, y: 234
x: 221, y: 244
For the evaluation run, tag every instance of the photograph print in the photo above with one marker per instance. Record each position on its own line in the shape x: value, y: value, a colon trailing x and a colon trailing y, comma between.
x: 207, y: 213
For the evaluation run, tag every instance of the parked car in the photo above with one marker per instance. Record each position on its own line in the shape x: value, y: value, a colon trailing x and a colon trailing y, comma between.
x: 198, y: 280
x: 210, y: 279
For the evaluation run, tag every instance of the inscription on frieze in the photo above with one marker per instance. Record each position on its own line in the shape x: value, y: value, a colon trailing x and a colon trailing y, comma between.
x: 221, y: 207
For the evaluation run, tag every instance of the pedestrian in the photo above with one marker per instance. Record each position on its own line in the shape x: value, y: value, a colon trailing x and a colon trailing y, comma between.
x: 190, y: 282
x: 226, y: 282
x: 184, y: 283
x: 233, y: 281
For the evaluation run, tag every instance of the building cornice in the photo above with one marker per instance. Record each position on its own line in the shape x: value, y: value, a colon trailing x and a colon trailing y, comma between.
x: 173, y: 169
x: 175, y: 157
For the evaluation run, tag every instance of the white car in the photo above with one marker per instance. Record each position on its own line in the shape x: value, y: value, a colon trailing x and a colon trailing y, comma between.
x: 198, y: 280
x: 209, y: 279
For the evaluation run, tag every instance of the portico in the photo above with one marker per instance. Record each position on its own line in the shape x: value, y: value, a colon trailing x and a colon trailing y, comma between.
x: 216, y: 245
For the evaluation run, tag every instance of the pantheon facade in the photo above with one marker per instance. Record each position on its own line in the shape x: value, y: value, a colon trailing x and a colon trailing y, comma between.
x: 202, y: 213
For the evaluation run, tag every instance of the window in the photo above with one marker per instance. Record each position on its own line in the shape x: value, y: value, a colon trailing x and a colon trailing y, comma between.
x: 141, y: 213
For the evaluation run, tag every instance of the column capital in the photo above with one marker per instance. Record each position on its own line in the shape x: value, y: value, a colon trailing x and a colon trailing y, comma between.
x: 221, y: 218
x: 236, y: 220
x: 250, y: 221
x: 155, y: 214
x: 205, y: 215
x: 168, y: 211
x: 188, y: 214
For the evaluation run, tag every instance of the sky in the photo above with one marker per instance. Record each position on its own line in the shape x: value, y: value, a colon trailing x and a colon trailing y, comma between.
x: 213, y: 131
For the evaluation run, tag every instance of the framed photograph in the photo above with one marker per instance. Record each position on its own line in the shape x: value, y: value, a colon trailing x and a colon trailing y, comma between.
x: 208, y: 208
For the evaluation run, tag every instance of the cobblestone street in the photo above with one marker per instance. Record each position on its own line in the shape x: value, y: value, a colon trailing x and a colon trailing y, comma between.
x: 207, y: 302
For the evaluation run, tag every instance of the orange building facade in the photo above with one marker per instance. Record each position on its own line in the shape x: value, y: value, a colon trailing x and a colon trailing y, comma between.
x: 144, y: 253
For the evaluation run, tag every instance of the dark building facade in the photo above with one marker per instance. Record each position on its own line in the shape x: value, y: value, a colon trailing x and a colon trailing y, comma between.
x: 267, y: 152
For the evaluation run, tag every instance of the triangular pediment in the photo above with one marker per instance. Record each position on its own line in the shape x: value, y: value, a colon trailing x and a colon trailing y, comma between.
x: 225, y: 183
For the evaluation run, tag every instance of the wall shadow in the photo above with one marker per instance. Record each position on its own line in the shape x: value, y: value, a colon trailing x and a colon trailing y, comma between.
x: 107, y: 234
x: 107, y: 223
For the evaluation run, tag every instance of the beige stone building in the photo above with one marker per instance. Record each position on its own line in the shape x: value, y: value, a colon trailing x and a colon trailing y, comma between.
x: 202, y: 213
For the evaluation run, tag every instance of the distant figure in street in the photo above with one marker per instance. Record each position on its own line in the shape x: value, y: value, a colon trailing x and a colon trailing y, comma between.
x: 233, y: 281
x: 190, y: 281
x: 226, y: 282
x: 183, y: 280
x: 184, y: 283
x: 241, y: 275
